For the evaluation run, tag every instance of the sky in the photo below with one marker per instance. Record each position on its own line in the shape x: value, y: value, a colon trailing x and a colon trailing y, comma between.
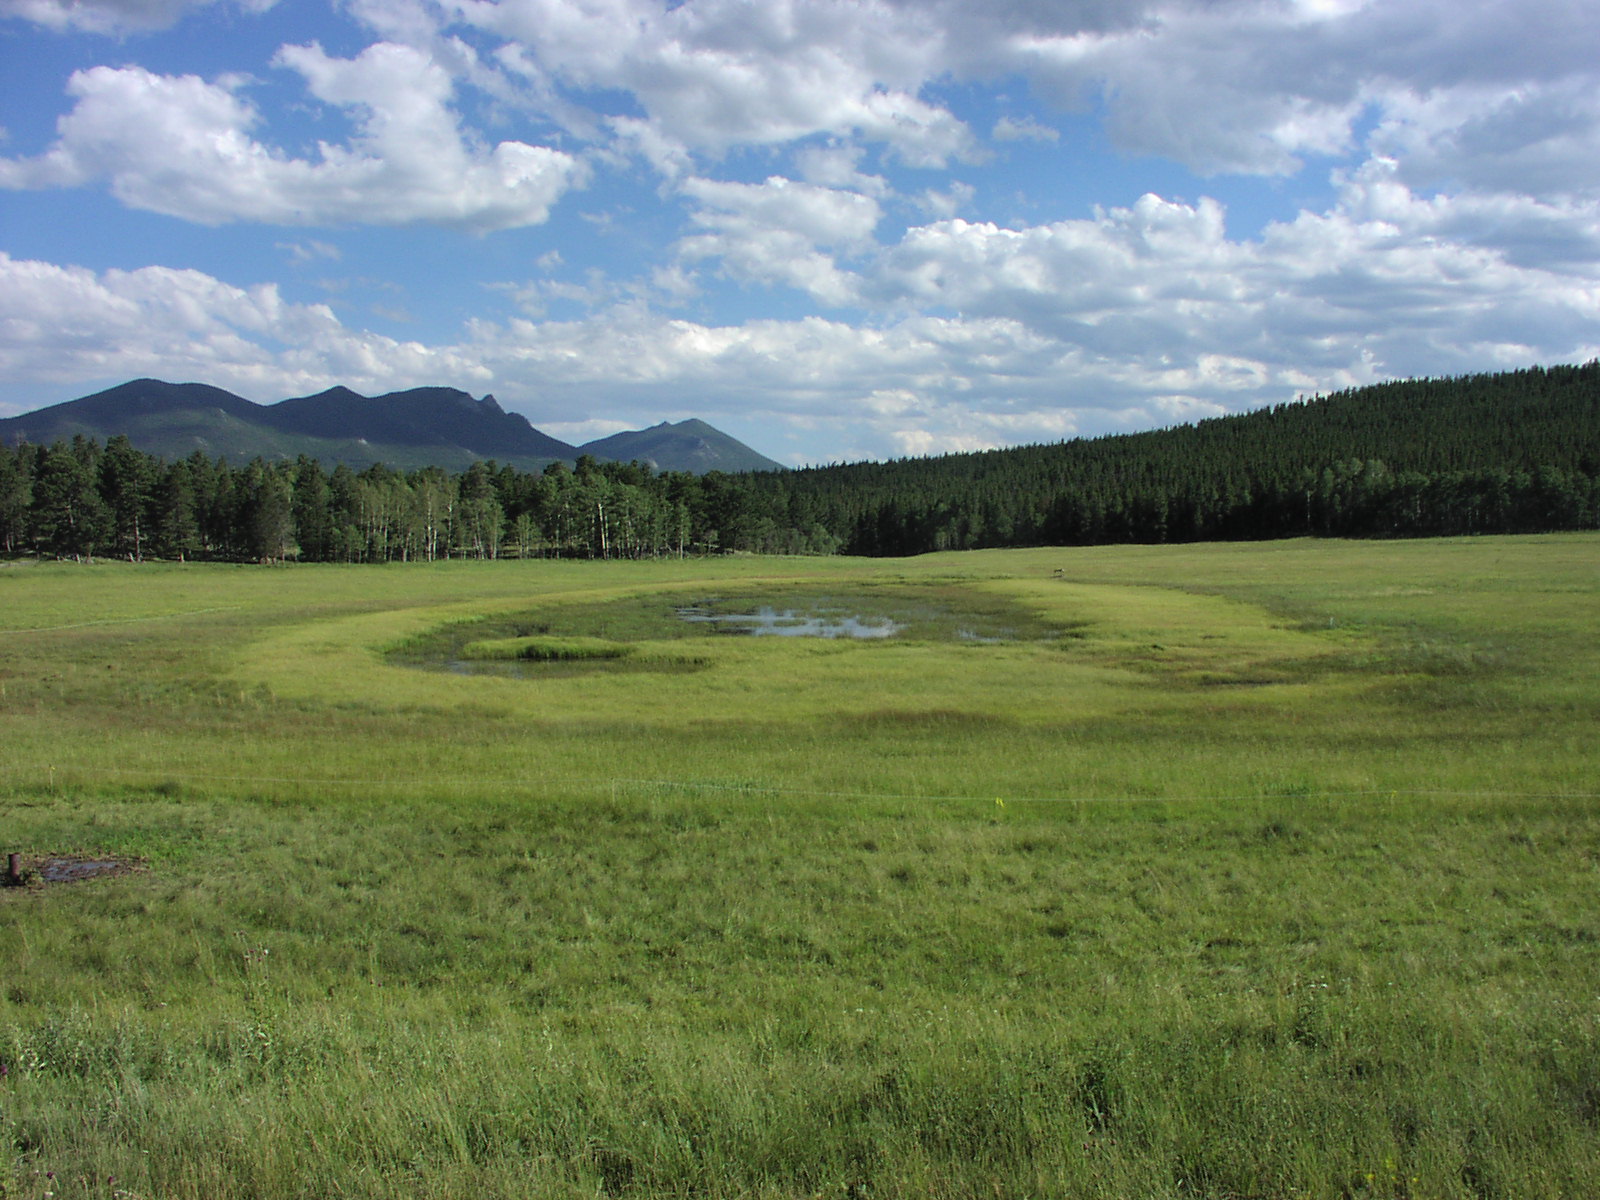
x: 836, y: 229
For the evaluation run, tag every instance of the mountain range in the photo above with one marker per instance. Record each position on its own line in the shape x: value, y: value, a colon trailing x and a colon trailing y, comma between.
x: 429, y: 426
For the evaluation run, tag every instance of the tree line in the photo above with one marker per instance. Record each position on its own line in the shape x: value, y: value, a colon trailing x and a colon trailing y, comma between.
x: 79, y: 499
x: 1513, y: 452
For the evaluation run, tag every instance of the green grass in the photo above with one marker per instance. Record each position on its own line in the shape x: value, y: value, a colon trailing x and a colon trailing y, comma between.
x: 1249, y: 871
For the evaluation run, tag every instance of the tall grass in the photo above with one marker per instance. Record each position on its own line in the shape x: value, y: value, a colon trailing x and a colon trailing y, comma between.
x: 1275, y: 879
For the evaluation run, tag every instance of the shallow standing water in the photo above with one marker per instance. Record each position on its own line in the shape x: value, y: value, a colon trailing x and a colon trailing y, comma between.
x: 789, y: 622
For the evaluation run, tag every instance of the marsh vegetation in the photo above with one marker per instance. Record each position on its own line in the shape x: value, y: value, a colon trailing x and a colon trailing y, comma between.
x: 639, y: 632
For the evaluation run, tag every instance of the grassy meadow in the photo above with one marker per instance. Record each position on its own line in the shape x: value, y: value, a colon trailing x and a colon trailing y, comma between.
x: 1248, y: 870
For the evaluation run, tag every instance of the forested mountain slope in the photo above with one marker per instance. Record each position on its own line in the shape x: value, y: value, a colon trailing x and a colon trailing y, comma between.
x: 1512, y: 450
x: 690, y: 445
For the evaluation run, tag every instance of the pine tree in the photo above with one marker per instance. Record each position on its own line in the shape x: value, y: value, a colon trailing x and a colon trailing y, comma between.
x: 68, y: 515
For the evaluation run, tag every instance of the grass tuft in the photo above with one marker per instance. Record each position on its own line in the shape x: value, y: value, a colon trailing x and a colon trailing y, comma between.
x: 546, y: 649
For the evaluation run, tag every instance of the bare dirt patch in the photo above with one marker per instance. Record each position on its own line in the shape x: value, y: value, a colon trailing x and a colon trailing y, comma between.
x: 33, y: 871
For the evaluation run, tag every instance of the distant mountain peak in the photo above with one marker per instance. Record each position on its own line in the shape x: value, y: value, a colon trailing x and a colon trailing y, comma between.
x: 426, y: 426
x: 690, y: 445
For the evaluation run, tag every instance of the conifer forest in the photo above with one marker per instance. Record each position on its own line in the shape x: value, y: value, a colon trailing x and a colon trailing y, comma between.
x: 1514, y: 452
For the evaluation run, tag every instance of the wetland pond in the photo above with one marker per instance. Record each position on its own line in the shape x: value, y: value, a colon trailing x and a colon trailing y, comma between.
x: 570, y: 639
x: 790, y: 622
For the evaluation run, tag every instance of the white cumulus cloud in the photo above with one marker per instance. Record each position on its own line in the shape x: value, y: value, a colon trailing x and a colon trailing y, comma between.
x: 111, y: 16
x: 184, y: 147
x: 68, y: 323
x: 1011, y: 129
x: 716, y: 74
x: 773, y: 232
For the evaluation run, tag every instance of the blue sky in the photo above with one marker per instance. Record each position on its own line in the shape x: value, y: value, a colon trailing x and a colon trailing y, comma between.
x: 837, y: 229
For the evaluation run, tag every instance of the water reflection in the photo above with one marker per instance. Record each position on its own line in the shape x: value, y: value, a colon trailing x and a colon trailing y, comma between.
x: 789, y: 622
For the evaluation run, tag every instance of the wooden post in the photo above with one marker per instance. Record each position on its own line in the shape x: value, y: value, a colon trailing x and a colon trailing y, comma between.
x: 13, y: 870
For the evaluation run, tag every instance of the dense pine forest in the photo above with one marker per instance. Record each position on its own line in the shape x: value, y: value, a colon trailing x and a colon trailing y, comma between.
x: 1504, y: 453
